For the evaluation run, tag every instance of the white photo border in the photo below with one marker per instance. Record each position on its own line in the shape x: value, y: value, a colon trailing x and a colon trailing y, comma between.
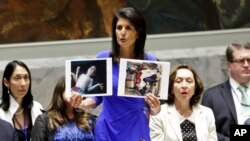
x: 68, y: 78
x: 163, y: 84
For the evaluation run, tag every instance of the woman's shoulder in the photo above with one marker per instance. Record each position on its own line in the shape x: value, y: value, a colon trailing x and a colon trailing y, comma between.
x: 205, y: 110
x: 37, y: 105
x: 37, y: 109
x: 151, y: 57
x: 163, y: 114
x: 202, y: 107
x: 164, y: 109
x: 103, y: 54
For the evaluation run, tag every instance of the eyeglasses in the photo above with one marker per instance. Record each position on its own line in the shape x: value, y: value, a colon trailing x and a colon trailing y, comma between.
x: 242, y: 61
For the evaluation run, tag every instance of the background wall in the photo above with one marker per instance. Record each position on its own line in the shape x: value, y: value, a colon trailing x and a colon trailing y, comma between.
x: 204, y: 51
x: 46, y: 20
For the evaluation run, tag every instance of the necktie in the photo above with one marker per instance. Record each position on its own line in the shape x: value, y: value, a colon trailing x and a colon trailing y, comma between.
x: 245, y: 100
x: 188, y: 131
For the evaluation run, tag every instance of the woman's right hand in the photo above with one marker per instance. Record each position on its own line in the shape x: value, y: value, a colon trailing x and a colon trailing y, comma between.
x: 76, y: 100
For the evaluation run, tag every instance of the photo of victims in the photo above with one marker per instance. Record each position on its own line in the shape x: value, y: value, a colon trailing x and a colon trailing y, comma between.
x: 89, y: 76
x: 139, y: 77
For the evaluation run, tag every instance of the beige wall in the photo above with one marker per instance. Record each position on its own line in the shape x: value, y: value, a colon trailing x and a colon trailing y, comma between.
x: 204, y: 51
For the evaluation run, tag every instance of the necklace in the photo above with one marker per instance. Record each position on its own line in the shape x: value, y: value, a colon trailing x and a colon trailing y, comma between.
x: 24, y: 129
x: 20, y: 112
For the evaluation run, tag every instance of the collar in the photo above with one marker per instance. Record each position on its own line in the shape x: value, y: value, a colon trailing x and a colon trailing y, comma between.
x: 196, y: 109
x: 234, y: 84
x: 13, y: 105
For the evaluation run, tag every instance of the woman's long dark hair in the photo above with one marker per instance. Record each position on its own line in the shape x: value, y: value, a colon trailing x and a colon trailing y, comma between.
x: 139, y: 23
x: 27, y: 102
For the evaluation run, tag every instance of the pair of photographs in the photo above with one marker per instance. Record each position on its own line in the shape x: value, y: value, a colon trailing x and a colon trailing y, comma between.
x: 93, y: 77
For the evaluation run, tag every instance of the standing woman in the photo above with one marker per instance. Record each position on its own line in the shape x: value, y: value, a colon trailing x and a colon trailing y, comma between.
x: 17, y: 105
x: 123, y: 118
x: 182, y: 117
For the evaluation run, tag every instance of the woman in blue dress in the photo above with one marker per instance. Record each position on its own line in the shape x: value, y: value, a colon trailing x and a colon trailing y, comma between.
x: 123, y: 118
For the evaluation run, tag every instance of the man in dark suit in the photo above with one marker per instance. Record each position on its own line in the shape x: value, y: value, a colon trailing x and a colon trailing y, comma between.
x: 225, y: 98
x: 7, y: 131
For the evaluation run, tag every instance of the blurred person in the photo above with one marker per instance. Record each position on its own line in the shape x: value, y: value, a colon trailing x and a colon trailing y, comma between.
x: 8, y: 132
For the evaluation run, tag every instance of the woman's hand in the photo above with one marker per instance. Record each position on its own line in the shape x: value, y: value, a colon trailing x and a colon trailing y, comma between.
x: 76, y: 100
x: 154, y: 104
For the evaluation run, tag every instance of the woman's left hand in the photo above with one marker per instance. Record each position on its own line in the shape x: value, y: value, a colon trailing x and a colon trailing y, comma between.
x: 154, y: 104
x: 76, y: 99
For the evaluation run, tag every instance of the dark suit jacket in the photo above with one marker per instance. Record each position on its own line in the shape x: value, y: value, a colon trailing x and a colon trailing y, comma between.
x: 7, y: 131
x: 220, y: 99
x: 247, y: 122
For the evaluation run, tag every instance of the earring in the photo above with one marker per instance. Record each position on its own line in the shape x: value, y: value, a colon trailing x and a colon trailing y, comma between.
x: 8, y: 91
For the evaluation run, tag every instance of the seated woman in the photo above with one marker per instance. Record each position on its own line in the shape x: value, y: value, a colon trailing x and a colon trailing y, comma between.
x: 62, y: 121
x: 182, y: 117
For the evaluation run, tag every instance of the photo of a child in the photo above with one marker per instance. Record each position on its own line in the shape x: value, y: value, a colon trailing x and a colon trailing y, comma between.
x: 88, y: 76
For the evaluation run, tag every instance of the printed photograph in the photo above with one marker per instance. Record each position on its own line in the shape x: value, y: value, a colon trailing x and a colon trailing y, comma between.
x: 89, y: 77
x: 139, y: 77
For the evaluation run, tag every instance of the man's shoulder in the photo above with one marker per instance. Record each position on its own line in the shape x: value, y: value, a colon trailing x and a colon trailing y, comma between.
x: 218, y: 86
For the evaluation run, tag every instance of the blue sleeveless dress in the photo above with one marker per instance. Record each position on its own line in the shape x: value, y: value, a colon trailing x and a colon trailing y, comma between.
x: 121, y: 118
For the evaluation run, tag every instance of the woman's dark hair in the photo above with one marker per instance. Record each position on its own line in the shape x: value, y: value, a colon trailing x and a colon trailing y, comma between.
x: 27, y: 102
x: 198, y: 85
x: 138, y: 21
